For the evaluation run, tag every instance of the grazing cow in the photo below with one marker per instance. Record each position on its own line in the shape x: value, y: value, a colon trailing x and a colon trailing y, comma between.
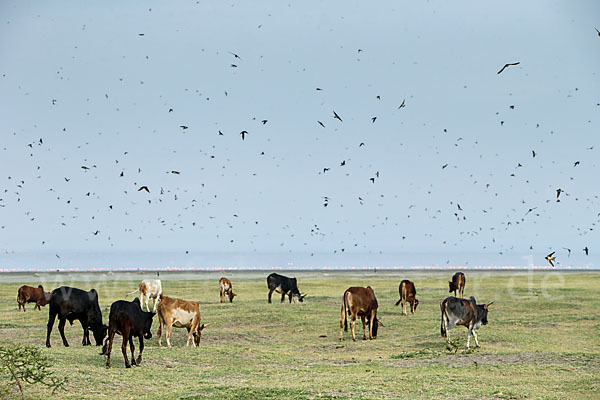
x: 149, y: 288
x: 285, y: 286
x: 463, y: 312
x: 29, y: 294
x: 226, y: 289
x: 128, y: 319
x: 458, y: 283
x: 407, y: 294
x: 360, y: 301
x: 71, y: 304
x: 180, y: 314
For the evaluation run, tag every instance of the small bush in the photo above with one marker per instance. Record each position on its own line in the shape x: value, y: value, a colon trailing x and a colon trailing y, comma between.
x: 27, y: 365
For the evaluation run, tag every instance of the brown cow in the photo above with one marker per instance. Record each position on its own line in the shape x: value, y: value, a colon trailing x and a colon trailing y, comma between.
x: 180, y: 314
x: 458, y: 283
x: 226, y: 289
x: 360, y: 301
x: 29, y: 294
x: 407, y: 294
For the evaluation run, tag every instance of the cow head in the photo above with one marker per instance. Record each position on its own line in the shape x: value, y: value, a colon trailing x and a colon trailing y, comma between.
x: 415, y: 304
x: 484, y: 311
x: 453, y: 286
x: 148, y: 316
x: 198, y: 334
x: 99, y: 332
x: 376, y: 325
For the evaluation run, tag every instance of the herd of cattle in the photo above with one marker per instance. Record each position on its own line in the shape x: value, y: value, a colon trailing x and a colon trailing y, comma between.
x: 128, y: 319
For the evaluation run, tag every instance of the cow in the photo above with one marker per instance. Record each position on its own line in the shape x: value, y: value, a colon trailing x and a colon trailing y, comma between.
x: 463, y: 312
x: 361, y: 302
x: 226, y: 289
x: 149, y: 288
x: 458, y: 283
x: 129, y: 320
x: 180, y: 314
x: 29, y: 294
x: 285, y: 286
x: 407, y: 294
x: 75, y: 304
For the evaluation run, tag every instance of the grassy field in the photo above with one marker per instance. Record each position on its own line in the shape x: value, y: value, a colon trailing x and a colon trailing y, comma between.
x: 543, y: 341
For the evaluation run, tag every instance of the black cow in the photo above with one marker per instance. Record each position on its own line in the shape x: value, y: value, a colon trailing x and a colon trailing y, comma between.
x: 463, y: 312
x: 71, y: 304
x: 284, y: 285
x: 129, y: 320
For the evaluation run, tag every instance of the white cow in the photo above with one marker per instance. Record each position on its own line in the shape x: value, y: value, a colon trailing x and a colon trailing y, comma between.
x: 149, y: 288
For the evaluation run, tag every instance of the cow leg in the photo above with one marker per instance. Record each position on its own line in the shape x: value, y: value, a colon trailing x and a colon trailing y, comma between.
x: 37, y: 305
x: 168, y: 333
x: 404, y: 307
x: 364, y: 328
x: 160, y: 326
x: 270, y: 293
x: 156, y: 300
x: 111, y: 336
x: 51, y: 318
x: 139, y: 359
x: 469, y: 331
x: 86, y: 333
x: 342, y: 320
x: 475, y: 337
x: 125, y: 333
x: 222, y: 294
x: 147, y: 300
x: 189, y: 336
x: 132, y: 347
x: 352, y: 321
x: 61, y: 329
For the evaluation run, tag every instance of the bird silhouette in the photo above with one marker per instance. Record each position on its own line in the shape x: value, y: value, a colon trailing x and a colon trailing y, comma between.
x: 336, y: 116
x: 533, y: 153
x: 402, y: 105
x: 373, y: 119
x: 144, y: 188
x: 587, y: 251
x: 550, y: 257
x: 558, y: 192
x: 235, y: 55
x: 508, y: 65
x: 597, y: 31
x: 320, y: 123
x: 576, y: 163
x: 184, y: 127
x: 243, y: 133
x: 264, y: 121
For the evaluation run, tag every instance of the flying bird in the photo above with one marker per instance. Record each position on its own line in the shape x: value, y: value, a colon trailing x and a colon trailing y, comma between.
x: 508, y: 65
x: 444, y: 166
x: 184, y: 127
x: 320, y: 123
x: 533, y: 153
x: 569, y: 250
x: 373, y: 119
x: 175, y: 172
x: 372, y: 180
x: 235, y: 55
x: 550, y: 257
x: 144, y: 188
x: 597, y: 31
x: 558, y: 192
x: 403, y: 104
x: 336, y: 116
x: 587, y: 251
x: 243, y: 133
x: 264, y: 121
x: 576, y: 163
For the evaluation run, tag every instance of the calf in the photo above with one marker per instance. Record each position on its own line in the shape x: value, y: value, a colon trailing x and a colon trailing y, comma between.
x: 360, y: 301
x: 71, y: 304
x: 180, y: 314
x: 458, y: 283
x: 149, y: 288
x: 407, y: 294
x: 285, y: 286
x: 463, y: 312
x: 226, y: 289
x: 29, y: 294
x: 128, y: 319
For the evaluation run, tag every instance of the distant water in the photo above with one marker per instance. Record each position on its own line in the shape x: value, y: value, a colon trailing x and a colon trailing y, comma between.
x: 180, y: 261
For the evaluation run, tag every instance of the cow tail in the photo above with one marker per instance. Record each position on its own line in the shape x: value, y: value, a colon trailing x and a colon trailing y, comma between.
x: 398, y: 302
x: 442, y: 327
x: 19, y: 296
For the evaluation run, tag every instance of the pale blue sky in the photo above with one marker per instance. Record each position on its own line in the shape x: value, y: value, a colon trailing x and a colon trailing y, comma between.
x: 112, y: 90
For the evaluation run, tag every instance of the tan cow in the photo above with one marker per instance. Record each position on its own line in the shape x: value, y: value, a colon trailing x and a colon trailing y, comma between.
x: 180, y: 314
x: 360, y: 301
x: 407, y: 294
x: 226, y: 289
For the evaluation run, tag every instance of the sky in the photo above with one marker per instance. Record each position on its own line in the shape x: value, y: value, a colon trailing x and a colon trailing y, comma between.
x: 447, y: 180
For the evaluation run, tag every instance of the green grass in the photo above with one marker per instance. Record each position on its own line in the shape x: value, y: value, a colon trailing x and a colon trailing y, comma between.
x: 543, y: 341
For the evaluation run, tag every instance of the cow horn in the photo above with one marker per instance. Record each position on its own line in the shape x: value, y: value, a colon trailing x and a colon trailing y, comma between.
x: 489, y: 304
x: 380, y: 323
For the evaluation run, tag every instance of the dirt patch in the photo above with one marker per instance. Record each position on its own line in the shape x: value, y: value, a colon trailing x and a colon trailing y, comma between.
x: 477, y: 360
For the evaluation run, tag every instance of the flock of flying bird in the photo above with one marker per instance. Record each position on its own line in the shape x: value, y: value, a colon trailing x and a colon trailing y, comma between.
x: 327, y: 200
